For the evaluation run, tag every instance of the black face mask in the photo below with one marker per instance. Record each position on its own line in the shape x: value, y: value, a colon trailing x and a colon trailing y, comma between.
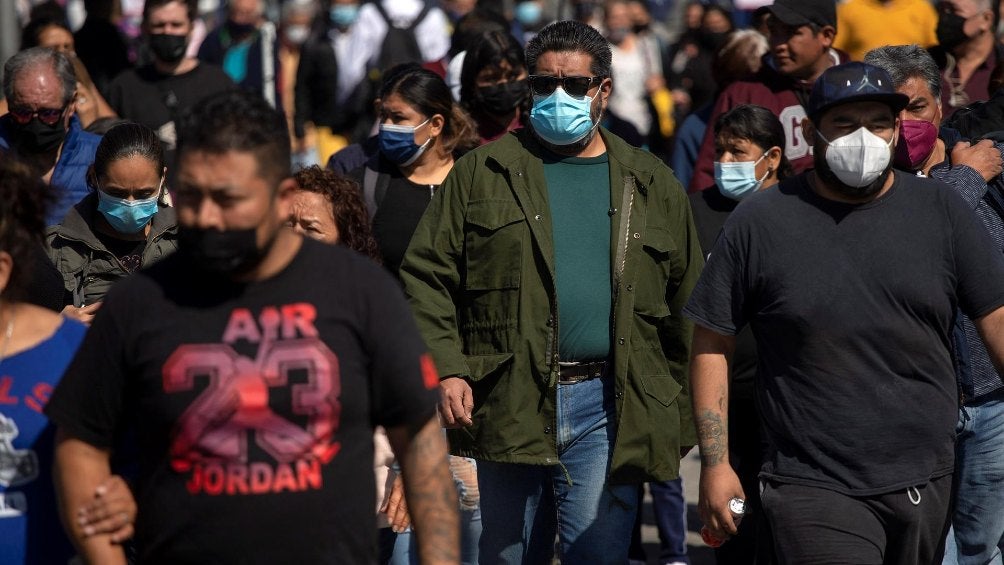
x: 640, y: 28
x: 239, y: 30
x: 230, y: 252
x: 500, y: 99
x: 168, y: 48
x: 712, y: 41
x: 36, y: 137
x: 949, y: 31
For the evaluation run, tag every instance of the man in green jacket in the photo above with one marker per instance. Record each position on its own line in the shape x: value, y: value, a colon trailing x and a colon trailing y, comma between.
x: 547, y: 277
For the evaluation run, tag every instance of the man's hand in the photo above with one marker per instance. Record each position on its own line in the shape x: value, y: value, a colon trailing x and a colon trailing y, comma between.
x: 457, y: 402
x: 984, y: 157
x: 111, y: 511
x: 396, y: 507
x: 718, y: 485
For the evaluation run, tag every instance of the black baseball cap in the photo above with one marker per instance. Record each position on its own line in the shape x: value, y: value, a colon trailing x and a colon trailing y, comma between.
x: 802, y: 12
x: 853, y: 82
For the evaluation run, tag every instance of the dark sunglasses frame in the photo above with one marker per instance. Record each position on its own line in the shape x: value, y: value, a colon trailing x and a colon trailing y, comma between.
x: 48, y: 116
x: 573, y: 86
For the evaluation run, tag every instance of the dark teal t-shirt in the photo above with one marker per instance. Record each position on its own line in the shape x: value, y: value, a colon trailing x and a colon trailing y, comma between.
x: 579, y: 192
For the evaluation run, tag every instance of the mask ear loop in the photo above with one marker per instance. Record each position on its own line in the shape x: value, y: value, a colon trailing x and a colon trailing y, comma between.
x: 766, y: 174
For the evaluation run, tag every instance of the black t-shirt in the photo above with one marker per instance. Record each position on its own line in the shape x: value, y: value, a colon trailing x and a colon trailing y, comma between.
x: 711, y: 209
x: 397, y: 217
x: 852, y: 309
x: 128, y: 252
x: 255, y: 404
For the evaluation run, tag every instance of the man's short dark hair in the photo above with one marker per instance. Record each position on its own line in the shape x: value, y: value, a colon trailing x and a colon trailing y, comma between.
x: 191, y: 8
x: 238, y: 120
x: 570, y: 36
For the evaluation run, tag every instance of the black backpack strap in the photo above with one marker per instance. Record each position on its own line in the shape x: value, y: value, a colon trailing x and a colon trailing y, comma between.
x: 418, y: 19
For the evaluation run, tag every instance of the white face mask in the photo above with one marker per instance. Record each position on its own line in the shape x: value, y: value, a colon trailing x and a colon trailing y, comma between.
x: 858, y: 158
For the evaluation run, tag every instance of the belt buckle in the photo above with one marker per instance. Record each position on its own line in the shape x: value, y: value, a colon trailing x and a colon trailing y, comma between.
x: 584, y: 372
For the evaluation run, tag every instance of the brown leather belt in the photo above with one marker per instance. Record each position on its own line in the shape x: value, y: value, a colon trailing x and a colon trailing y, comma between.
x: 571, y: 374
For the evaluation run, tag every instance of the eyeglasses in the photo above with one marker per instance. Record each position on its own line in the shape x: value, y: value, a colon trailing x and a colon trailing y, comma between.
x: 48, y: 116
x: 574, y: 86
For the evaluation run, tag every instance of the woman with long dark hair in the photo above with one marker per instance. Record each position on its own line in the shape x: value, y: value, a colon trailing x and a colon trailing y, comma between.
x: 422, y: 131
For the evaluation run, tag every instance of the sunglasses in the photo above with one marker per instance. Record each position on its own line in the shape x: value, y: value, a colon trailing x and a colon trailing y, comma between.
x: 48, y: 116
x: 573, y: 86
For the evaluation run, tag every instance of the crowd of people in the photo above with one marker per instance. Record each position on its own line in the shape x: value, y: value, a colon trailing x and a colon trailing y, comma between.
x: 458, y: 281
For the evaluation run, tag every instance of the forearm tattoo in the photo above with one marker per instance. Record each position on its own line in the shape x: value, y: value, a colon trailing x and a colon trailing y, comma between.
x: 711, y: 435
x: 432, y: 499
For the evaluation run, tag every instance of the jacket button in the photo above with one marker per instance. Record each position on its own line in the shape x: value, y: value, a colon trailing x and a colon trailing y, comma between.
x: 537, y: 217
x: 519, y: 173
x: 619, y: 395
x: 636, y: 235
x: 547, y: 430
x: 630, y: 287
x: 620, y: 340
x: 550, y: 321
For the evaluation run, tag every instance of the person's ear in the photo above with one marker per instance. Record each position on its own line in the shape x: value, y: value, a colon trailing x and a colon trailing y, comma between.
x: 6, y: 266
x: 809, y: 131
x: 774, y: 159
x: 437, y: 123
x: 284, y: 198
x: 826, y: 35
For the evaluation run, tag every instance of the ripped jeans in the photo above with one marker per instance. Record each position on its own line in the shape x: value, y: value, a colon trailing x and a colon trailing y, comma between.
x: 523, y: 507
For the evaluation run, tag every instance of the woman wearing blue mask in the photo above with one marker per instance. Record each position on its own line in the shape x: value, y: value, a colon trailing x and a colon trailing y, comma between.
x: 749, y: 157
x: 422, y: 130
x: 118, y: 228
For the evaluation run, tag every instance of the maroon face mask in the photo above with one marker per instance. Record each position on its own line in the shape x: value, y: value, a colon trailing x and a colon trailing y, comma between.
x: 915, y: 144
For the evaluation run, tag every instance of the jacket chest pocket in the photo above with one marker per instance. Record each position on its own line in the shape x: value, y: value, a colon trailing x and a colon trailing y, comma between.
x: 493, y: 245
x: 493, y: 254
x: 655, y: 270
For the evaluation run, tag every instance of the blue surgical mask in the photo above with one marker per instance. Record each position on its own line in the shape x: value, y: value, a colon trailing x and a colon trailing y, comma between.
x: 397, y: 143
x: 561, y: 119
x: 126, y: 216
x: 528, y: 13
x: 344, y: 15
x: 738, y: 180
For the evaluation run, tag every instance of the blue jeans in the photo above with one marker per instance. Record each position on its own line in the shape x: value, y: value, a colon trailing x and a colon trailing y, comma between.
x: 670, y: 510
x: 978, y: 522
x: 403, y: 547
x: 523, y: 507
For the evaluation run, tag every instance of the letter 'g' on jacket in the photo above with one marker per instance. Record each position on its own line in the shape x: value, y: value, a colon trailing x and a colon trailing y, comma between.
x: 480, y: 277
x: 88, y: 268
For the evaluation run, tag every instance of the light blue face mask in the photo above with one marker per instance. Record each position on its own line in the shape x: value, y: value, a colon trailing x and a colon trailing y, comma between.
x: 561, y: 119
x: 126, y: 216
x: 344, y: 15
x: 738, y: 180
x: 528, y: 14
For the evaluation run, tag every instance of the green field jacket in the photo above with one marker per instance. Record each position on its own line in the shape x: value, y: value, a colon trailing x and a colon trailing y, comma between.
x: 88, y: 268
x: 480, y: 277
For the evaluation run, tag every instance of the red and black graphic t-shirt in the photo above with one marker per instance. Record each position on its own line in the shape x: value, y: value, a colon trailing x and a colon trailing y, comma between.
x: 253, y: 404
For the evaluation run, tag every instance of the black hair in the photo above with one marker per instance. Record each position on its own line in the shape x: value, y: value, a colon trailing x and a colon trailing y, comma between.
x: 427, y: 93
x: 759, y: 126
x: 32, y: 32
x: 492, y: 49
x: 472, y: 26
x: 570, y: 36
x: 191, y: 8
x: 238, y: 120
x: 23, y: 200
x: 127, y: 140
